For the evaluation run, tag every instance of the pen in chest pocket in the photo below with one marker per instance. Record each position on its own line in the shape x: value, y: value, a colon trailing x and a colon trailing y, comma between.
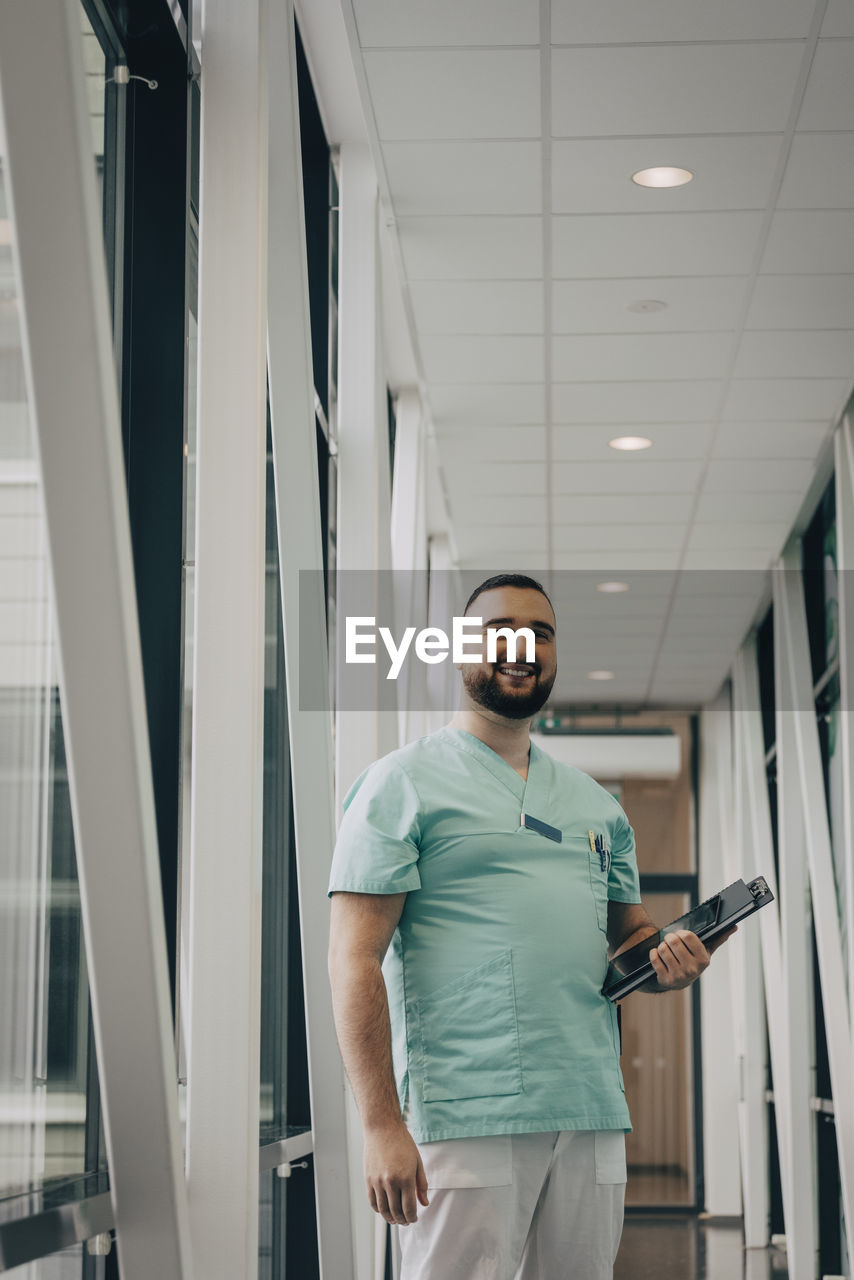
x: 597, y: 845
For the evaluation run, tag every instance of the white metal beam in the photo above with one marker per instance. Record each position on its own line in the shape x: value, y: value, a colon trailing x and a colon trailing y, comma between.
x: 226, y: 815
x: 749, y: 1001
x: 71, y: 381
x: 844, y: 476
x: 409, y: 554
x: 720, y: 1063
x: 785, y: 968
x: 797, y: 693
x: 797, y: 973
x: 304, y: 614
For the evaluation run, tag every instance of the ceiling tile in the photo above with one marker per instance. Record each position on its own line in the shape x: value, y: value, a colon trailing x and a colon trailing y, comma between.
x: 625, y: 476
x: 636, y: 356
x: 522, y: 444
x: 447, y: 22
x: 484, y: 405
x: 619, y: 537
x: 495, y: 542
x: 625, y: 21
x: 770, y: 439
x: 736, y: 558
x: 494, y: 510
x: 812, y: 242
x: 479, y: 306
x: 673, y: 89
x: 668, y: 244
x: 471, y: 248
x: 748, y: 475
x: 498, y: 478
x: 744, y: 507
x: 790, y: 353
x: 802, y: 302
x: 594, y: 175
x: 819, y: 172
x: 625, y: 508
x: 828, y: 102
x: 464, y: 177
x: 591, y: 443
x: 482, y: 359
x: 762, y: 535
x: 838, y: 19
x: 692, y: 303
x: 616, y: 562
x: 636, y: 402
x: 488, y: 563
x: 492, y: 93
x: 788, y: 399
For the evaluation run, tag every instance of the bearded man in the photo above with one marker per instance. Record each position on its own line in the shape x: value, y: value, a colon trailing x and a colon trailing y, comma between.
x: 477, y: 888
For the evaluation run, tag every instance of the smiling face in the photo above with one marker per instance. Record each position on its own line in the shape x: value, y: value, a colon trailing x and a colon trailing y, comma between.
x: 515, y: 690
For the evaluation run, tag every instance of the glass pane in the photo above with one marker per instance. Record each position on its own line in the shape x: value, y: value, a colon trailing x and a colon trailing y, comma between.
x: 49, y: 1124
x: 657, y: 1069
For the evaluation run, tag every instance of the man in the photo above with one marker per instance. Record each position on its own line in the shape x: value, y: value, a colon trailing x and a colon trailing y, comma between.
x: 485, y: 1063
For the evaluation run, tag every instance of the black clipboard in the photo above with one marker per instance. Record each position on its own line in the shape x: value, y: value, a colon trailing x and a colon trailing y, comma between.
x: 631, y: 969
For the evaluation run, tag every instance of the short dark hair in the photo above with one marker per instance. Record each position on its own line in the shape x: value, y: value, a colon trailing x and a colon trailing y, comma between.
x: 507, y: 580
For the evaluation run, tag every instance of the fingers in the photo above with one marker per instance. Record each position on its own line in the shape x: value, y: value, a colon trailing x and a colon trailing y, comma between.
x: 421, y: 1183
x: 396, y: 1201
x: 721, y: 939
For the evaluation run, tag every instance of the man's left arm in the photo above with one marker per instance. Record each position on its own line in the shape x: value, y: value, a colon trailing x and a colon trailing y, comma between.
x: 678, y: 960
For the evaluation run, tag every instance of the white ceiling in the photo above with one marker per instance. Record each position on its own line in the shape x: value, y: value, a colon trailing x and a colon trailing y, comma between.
x: 506, y: 133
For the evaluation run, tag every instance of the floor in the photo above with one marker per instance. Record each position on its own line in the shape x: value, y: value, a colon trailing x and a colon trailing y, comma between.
x: 688, y: 1249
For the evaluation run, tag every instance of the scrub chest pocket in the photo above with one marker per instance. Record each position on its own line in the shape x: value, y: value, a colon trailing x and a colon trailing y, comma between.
x: 468, y: 1036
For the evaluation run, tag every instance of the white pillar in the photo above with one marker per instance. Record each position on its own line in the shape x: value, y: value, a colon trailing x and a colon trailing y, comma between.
x: 71, y: 385
x: 720, y: 1062
x: 844, y: 476
x: 364, y: 543
x: 749, y: 1000
x: 797, y: 971
x: 226, y: 816
x: 796, y: 692
x: 409, y: 554
x: 363, y: 537
x: 304, y: 625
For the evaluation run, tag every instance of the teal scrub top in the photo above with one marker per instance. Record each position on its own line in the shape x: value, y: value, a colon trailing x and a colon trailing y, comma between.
x: 495, y: 970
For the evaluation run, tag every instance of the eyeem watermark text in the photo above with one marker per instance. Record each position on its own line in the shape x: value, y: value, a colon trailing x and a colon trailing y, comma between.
x: 432, y: 644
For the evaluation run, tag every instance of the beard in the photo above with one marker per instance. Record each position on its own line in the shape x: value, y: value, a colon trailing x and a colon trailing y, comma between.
x: 483, y: 685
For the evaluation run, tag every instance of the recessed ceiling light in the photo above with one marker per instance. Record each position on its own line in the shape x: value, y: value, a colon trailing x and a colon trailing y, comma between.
x: 645, y: 305
x: 630, y: 442
x: 611, y: 588
x: 662, y: 176
x: 600, y: 675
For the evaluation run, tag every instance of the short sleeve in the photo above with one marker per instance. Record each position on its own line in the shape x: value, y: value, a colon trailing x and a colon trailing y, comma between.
x: 623, y: 882
x: 378, y: 840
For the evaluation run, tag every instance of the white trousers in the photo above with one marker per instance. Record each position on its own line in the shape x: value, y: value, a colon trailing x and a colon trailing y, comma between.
x: 532, y: 1206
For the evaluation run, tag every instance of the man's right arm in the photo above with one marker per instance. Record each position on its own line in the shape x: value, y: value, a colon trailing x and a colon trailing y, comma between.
x: 361, y: 929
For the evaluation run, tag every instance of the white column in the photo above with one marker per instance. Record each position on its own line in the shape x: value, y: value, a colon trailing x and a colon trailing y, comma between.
x: 844, y: 476
x: 785, y: 966
x: 226, y: 816
x: 71, y: 385
x: 363, y: 544
x: 796, y: 692
x: 364, y: 515
x: 304, y: 619
x: 719, y: 1057
x: 409, y: 554
x: 749, y: 1000
x: 797, y: 972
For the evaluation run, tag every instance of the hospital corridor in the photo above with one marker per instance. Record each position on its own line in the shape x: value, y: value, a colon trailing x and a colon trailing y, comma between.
x: 426, y: 759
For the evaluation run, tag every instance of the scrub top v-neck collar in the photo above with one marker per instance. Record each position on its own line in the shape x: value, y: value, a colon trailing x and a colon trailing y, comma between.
x: 532, y: 794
